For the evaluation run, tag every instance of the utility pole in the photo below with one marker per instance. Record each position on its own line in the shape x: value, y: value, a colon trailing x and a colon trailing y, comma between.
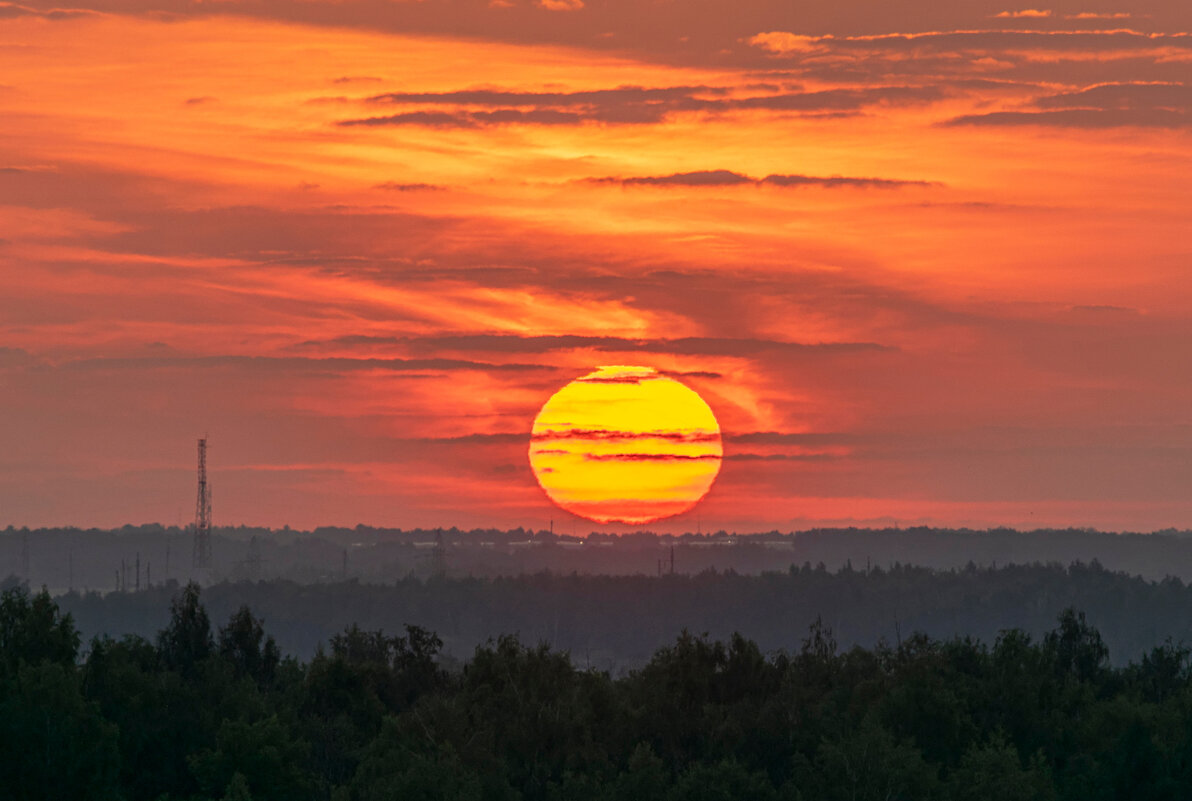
x: 25, y: 557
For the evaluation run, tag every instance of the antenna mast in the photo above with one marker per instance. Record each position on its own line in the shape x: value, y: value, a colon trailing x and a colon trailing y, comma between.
x: 202, y: 549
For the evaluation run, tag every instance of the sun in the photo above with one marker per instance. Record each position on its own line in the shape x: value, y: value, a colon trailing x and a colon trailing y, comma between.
x: 626, y: 445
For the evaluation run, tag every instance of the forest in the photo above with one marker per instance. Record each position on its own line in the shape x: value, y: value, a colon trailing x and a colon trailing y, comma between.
x: 618, y: 622
x: 213, y: 710
x: 138, y: 556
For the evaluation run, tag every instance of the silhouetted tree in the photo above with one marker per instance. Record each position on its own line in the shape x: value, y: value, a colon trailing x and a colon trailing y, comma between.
x: 186, y: 641
x: 243, y: 643
x: 33, y: 630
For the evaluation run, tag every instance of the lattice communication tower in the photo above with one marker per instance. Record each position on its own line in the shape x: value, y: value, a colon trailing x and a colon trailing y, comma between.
x: 202, y: 550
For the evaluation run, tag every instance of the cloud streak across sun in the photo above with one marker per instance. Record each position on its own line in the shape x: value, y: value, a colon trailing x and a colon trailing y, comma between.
x: 921, y: 273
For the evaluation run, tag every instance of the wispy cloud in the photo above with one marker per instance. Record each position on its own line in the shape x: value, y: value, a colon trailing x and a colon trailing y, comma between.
x: 612, y: 435
x: 515, y: 343
x: 1152, y: 105
x: 1026, y: 13
x: 630, y: 105
x: 292, y: 363
x: 730, y: 178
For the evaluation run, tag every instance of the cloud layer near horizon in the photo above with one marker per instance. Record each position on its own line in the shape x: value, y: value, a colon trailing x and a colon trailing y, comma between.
x: 934, y: 275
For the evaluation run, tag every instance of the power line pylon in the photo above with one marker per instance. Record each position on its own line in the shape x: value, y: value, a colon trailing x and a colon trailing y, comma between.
x: 201, y: 560
x: 251, y: 564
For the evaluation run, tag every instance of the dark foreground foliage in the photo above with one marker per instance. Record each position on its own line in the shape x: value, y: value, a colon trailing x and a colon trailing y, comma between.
x: 203, y: 714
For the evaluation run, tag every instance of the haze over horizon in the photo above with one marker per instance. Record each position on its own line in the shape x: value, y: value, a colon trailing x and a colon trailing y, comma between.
x: 926, y: 263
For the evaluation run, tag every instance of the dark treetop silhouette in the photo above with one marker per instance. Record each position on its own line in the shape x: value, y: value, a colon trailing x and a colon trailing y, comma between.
x: 202, y: 714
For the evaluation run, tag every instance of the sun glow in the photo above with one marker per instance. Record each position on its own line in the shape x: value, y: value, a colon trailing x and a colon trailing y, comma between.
x: 626, y: 444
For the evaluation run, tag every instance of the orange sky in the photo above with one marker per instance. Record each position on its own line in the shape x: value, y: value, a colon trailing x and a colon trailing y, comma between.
x: 926, y: 264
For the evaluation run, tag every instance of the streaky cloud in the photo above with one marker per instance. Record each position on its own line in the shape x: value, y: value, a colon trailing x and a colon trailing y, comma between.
x: 624, y: 105
x: 513, y: 343
x: 651, y: 457
x: 395, y: 186
x: 730, y: 178
x: 289, y: 363
x: 601, y: 434
x: 1080, y: 118
x: 792, y: 438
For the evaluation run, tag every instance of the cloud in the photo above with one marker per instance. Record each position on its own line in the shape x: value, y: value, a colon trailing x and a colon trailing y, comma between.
x: 594, y: 97
x: 1105, y: 308
x: 1107, y: 105
x: 476, y: 107
x: 472, y: 119
x: 616, y: 379
x: 1026, y: 13
x: 1080, y: 118
x: 623, y: 105
x: 784, y: 42
x: 1122, y: 96
x: 672, y: 32
x: 1002, y: 42
x: 810, y: 439
x: 840, y: 99
x: 471, y: 439
x: 782, y: 457
x: 730, y: 178
x: 699, y: 178
x: 514, y: 343
x: 293, y: 363
x: 606, y: 435
x: 11, y: 10
x: 842, y: 181
x: 1090, y: 15
x: 434, y: 119
x: 394, y: 186
x: 651, y: 457
x: 16, y: 357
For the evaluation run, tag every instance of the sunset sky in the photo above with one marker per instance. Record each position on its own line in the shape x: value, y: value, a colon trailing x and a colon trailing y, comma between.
x: 928, y: 263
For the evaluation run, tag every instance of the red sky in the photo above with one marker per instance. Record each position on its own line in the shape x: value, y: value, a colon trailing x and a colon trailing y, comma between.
x: 927, y: 262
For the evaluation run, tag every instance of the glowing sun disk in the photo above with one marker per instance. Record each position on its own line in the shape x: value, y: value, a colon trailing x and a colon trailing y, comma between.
x: 625, y: 444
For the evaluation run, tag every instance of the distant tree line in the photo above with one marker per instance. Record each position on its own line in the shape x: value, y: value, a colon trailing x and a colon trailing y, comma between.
x: 617, y: 622
x: 209, y: 713
x: 134, y: 557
